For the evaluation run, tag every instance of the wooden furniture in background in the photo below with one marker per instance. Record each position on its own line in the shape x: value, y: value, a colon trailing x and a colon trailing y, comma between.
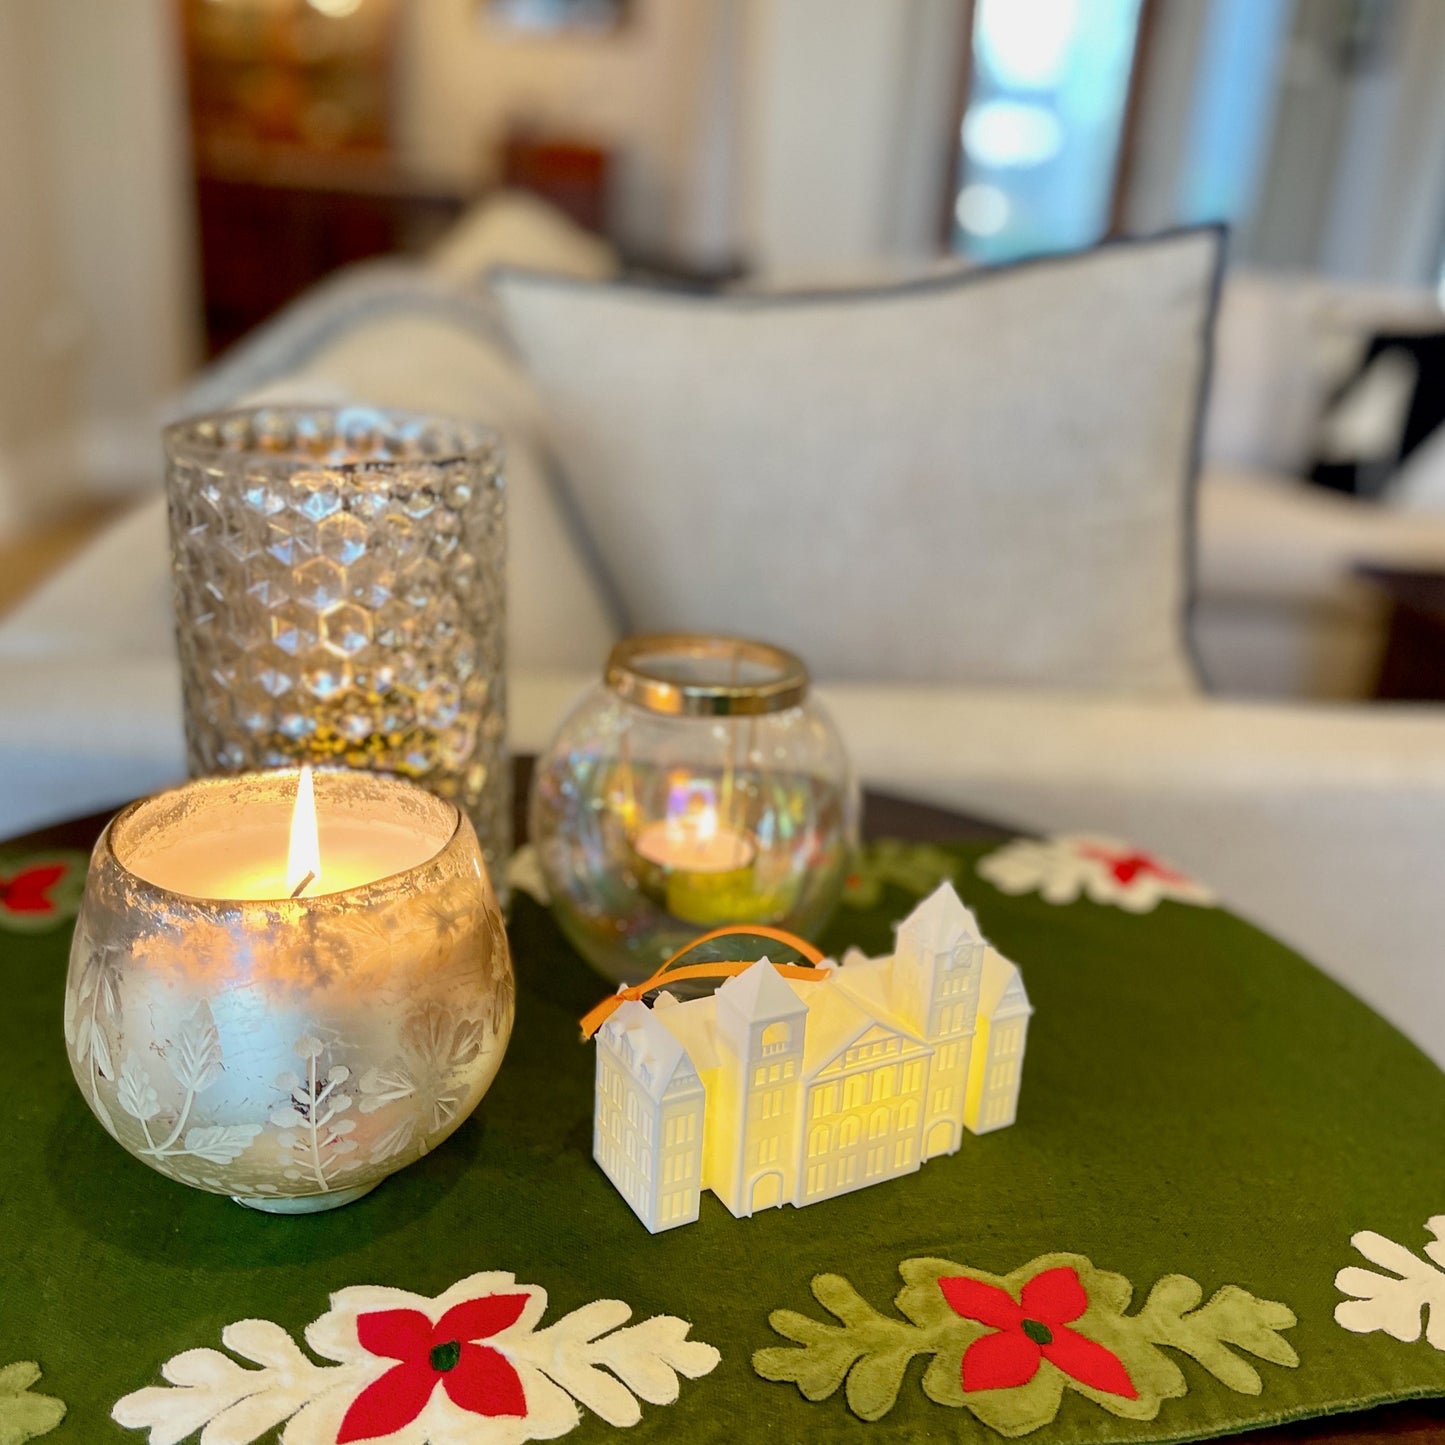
x: 1412, y: 668
x: 573, y: 174
x: 269, y: 232
x: 296, y: 173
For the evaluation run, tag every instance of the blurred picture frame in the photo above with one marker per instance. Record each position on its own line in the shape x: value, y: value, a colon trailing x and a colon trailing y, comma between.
x: 557, y: 17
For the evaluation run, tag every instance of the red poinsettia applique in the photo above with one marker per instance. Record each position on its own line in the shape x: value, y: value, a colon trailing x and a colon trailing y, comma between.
x: 1032, y: 1328
x: 1127, y: 864
x: 1071, y: 866
x: 28, y: 891
x: 476, y: 1377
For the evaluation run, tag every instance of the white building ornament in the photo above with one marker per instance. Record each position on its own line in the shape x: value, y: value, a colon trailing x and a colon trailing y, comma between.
x: 769, y: 1093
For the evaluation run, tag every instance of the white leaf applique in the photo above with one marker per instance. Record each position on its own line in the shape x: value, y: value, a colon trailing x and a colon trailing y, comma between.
x: 469, y: 1364
x: 210, y: 1391
x: 524, y: 873
x: 644, y: 1361
x: 1395, y: 1302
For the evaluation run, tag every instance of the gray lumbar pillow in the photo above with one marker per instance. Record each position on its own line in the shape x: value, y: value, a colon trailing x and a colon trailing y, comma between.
x: 985, y: 478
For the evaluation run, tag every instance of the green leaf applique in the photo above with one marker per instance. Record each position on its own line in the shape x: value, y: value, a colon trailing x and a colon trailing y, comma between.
x: 1007, y: 1347
x: 916, y: 868
x: 23, y: 1415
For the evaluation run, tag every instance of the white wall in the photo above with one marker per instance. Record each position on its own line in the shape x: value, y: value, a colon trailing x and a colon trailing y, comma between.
x: 1356, y: 179
x: 1386, y: 220
x: 97, y: 302
x: 37, y: 373
x: 847, y: 132
x: 1207, y: 113
x: 645, y: 90
x: 117, y: 145
x: 812, y: 135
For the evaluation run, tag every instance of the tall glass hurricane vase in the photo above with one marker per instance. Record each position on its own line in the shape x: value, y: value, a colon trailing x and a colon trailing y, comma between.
x: 339, y: 592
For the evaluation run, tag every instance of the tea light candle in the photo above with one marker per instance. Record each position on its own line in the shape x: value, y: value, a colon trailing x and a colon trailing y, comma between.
x: 701, y: 869
x: 267, y: 849
x: 697, y: 843
x: 284, y: 989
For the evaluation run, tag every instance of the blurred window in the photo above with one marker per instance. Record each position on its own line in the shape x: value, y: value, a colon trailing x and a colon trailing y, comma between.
x: 1039, y: 144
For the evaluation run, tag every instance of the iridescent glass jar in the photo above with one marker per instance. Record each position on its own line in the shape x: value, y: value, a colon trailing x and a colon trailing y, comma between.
x: 339, y: 595
x: 287, y: 1051
x: 697, y: 786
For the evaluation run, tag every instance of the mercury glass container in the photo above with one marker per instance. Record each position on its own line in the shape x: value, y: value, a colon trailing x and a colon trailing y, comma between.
x: 290, y: 1052
x: 339, y: 596
x: 698, y: 785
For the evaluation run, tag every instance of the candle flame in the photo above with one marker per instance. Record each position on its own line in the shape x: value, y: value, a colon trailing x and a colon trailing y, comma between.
x: 303, y: 858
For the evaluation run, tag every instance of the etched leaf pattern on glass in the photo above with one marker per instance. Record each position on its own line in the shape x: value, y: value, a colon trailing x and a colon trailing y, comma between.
x: 92, y: 1015
x: 315, y: 1134
x: 194, y: 1060
x: 434, y: 1074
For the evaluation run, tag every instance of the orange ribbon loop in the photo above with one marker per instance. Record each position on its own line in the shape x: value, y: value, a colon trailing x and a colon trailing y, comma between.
x: 721, y: 969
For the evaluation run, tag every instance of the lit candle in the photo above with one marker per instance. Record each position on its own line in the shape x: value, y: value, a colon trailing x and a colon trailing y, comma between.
x: 264, y: 848
x: 284, y: 989
x: 696, y: 842
x: 701, y: 870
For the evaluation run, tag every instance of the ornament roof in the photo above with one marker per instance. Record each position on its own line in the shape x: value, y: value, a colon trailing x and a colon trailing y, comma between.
x: 941, y: 920
x: 654, y: 1055
x: 760, y: 992
x: 1001, y: 991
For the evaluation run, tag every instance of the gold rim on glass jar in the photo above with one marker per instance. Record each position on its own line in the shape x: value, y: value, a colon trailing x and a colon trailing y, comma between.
x: 689, y: 674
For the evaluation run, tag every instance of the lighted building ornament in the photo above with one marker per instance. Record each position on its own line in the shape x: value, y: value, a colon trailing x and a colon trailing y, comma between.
x: 769, y: 1093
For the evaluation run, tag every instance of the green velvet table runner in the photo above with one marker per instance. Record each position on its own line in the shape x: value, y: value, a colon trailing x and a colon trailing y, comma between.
x: 1202, y: 1112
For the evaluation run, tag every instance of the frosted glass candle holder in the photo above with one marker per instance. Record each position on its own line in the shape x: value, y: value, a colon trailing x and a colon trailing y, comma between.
x: 697, y: 785
x: 288, y: 1052
x: 339, y: 596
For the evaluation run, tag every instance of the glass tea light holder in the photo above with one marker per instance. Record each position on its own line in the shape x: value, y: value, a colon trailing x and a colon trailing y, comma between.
x: 284, y: 990
x: 698, y: 785
x: 338, y: 577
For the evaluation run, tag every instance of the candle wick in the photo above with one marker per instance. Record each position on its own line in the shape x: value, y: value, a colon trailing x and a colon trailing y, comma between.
x: 304, y: 884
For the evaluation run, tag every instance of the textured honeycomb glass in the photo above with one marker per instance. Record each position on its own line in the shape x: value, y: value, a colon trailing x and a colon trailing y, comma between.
x: 339, y: 592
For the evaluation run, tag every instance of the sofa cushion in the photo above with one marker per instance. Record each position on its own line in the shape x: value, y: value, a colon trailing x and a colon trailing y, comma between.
x: 976, y: 478
x: 514, y: 228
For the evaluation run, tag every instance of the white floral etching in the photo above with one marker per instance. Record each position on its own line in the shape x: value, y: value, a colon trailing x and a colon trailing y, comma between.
x: 194, y: 1059
x: 315, y: 1134
x: 436, y: 1072
x: 1395, y: 1302
x: 470, y: 1365
x: 1076, y: 865
x: 92, y: 1015
x: 199, y: 1092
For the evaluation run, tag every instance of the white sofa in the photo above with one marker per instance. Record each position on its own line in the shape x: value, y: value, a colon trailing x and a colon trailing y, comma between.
x: 1280, y: 612
x: 1324, y: 825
